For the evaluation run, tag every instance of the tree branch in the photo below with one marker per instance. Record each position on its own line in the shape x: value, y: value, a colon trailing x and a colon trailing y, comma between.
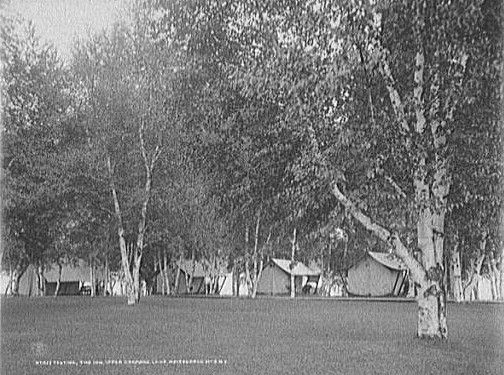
x: 396, y: 187
x: 417, y: 271
x: 386, y: 72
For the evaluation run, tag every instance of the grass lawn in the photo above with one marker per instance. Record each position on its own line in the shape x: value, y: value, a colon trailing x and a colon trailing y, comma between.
x: 263, y: 336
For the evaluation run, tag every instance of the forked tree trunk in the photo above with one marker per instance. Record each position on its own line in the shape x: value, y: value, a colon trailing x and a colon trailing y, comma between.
x: 428, y: 275
x: 133, y: 275
x: 472, y: 282
x: 125, y: 262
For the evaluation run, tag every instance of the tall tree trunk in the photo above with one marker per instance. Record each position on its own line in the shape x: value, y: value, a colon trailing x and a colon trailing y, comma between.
x: 58, y: 282
x: 501, y: 278
x: 92, y: 276
x: 133, y: 275
x: 149, y: 167
x: 8, y: 289
x: 456, y: 274
x: 261, y: 262
x: 108, y: 288
x: 161, y: 272
x: 501, y: 268
x: 40, y: 280
x: 246, y: 262
x: 474, y: 275
x: 494, y: 278
x: 125, y: 263
x: 255, y: 274
x: 233, y: 276
x: 177, y: 276
x: 247, y: 275
x: 135, y: 298
x: 166, y: 275
x: 190, y: 275
x: 430, y: 308
x: 292, y: 264
x: 17, y: 273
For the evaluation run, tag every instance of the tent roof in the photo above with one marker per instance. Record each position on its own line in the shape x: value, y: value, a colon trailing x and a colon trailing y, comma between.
x: 300, y: 269
x: 68, y: 273
x: 197, y: 270
x: 389, y: 260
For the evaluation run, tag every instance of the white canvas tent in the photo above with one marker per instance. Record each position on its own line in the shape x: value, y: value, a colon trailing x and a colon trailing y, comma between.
x: 377, y: 275
x: 73, y: 277
x: 276, y: 277
x: 199, y: 274
x: 28, y: 283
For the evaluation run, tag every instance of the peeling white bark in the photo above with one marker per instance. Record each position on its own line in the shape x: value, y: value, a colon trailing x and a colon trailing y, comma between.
x: 292, y: 264
x: 456, y: 274
x: 431, y: 297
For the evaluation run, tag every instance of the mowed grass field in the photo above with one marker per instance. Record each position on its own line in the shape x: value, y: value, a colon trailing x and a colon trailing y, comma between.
x: 83, y: 335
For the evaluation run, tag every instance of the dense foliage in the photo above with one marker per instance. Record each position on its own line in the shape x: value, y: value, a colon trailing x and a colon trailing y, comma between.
x: 220, y: 132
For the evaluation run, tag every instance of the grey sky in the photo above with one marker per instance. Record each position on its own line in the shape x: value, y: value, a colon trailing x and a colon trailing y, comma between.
x: 61, y: 21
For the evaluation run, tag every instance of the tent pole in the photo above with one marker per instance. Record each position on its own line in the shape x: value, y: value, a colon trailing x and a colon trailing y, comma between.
x: 395, y: 284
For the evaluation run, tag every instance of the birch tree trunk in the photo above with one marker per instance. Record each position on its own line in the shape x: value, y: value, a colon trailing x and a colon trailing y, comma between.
x: 501, y: 279
x: 431, y: 322
x: 58, y: 282
x: 501, y: 273
x: 494, y: 276
x: 292, y: 265
x: 471, y: 285
x: 159, y: 266
x: 125, y: 263
x: 133, y: 275
x: 190, y: 275
x: 246, y: 263
x: 177, y: 277
x: 92, y: 276
x: 17, y: 273
x: 8, y: 289
x: 40, y: 280
x: 165, y: 272
x: 456, y: 274
x: 233, y: 279
x: 247, y: 275
x: 261, y: 262
x: 255, y: 274
x: 108, y: 286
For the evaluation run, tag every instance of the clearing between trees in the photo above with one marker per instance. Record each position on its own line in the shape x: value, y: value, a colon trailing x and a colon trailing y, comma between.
x: 259, y: 336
